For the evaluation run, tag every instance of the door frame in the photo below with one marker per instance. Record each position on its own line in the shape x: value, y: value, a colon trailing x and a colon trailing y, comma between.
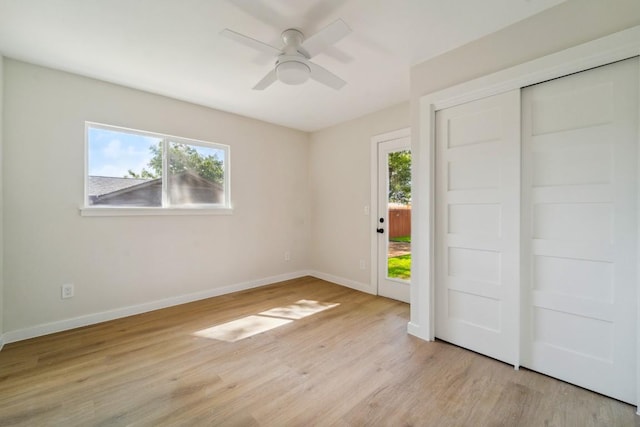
x: 615, y: 47
x: 373, y: 211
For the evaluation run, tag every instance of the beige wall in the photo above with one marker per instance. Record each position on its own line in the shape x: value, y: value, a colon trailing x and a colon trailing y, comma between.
x: 340, y: 182
x: 279, y: 176
x: 116, y: 262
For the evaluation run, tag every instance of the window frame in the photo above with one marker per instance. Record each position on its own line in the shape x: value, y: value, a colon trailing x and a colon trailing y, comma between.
x: 202, y: 209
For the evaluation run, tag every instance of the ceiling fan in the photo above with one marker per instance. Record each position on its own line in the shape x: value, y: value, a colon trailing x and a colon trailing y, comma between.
x: 293, y: 65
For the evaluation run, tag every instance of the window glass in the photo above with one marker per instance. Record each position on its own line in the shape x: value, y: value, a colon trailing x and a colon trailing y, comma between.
x: 122, y: 169
x: 126, y: 168
x: 196, y: 174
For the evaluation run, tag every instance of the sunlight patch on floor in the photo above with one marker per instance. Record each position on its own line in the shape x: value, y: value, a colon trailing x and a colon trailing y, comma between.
x: 242, y: 328
x: 249, y: 326
x: 299, y: 309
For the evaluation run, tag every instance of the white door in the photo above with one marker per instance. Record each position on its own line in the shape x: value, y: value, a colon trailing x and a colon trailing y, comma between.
x: 580, y: 182
x: 393, y: 223
x: 477, y: 225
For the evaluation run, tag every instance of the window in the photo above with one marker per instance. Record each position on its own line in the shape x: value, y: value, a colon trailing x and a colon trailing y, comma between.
x: 135, y: 169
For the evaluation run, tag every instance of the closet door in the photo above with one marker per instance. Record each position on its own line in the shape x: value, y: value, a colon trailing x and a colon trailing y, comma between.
x: 477, y: 225
x: 580, y: 228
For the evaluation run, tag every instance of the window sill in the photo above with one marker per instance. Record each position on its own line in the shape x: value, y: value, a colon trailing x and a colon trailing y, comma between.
x: 122, y: 211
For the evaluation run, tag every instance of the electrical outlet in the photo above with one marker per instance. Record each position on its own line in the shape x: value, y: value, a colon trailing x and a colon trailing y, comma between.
x: 287, y: 256
x: 363, y: 265
x: 66, y: 291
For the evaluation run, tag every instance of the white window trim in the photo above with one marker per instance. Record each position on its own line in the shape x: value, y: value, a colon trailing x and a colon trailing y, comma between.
x: 127, y: 211
x: 222, y: 209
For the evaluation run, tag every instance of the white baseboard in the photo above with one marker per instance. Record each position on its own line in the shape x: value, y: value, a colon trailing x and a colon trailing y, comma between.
x: 417, y: 331
x: 91, y: 319
x: 358, y: 286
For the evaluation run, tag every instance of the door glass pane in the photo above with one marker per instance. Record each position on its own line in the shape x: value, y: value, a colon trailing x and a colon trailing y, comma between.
x: 399, y: 215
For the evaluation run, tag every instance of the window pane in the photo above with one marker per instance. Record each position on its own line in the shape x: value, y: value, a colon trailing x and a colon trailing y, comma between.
x: 131, y: 168
x: 124, y: 169
x: 196, y: 174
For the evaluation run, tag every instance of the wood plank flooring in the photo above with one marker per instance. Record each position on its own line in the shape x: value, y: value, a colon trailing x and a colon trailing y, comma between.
x: 350, y: 365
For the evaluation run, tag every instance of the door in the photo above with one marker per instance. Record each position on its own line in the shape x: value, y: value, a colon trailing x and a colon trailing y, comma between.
x: 477, y: 225
x: 580, y: 215
x: 394, y: 218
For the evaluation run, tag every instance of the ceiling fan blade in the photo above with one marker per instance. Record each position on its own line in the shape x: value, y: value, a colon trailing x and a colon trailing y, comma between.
x: 325, y: 76
x: 266, y: 81
x: 324, y: 38
x: 252, y: 43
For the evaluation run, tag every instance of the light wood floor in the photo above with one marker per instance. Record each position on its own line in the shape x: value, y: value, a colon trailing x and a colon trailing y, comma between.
x: 353, y: 364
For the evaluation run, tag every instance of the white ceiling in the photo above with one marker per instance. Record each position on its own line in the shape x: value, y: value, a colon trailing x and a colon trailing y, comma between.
x: 173, y: 47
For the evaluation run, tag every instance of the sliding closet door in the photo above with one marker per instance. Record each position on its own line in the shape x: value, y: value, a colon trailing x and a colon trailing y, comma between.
x: 477, y: 225
x: 580, y: 228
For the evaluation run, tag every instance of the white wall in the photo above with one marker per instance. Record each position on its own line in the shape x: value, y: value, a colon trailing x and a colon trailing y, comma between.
x: 116, y: 262
x: 340, y: 183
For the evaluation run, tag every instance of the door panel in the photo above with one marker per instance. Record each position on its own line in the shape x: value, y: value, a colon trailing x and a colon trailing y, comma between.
x: 579, y: 228
x: 477, y: 225
x: 394, y: 210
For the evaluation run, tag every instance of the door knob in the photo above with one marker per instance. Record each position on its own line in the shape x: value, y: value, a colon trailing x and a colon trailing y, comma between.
x: 380, y: 230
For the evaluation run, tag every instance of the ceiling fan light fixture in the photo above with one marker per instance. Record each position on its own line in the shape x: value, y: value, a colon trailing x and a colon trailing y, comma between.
x: 293, y: 72
x: 293, y: 65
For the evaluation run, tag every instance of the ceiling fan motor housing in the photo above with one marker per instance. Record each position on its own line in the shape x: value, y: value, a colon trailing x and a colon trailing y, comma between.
x: 292, y: 40
x: 290, y: 66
